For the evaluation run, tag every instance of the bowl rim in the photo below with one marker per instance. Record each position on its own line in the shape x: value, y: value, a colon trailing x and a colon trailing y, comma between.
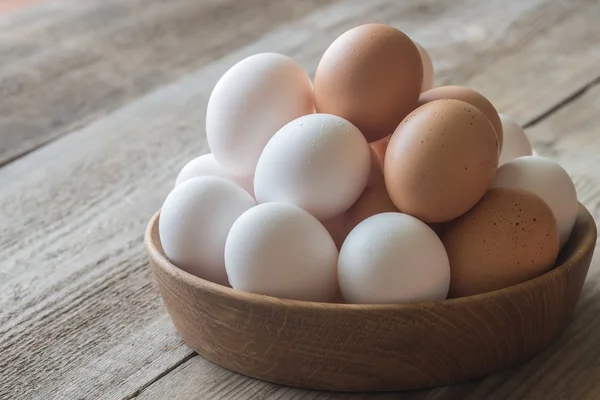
x: 581, y: 249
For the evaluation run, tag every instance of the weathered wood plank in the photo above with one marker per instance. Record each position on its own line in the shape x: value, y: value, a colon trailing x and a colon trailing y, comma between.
x: 78, y: 60
x: 79, y: 317
x: 199, y: 379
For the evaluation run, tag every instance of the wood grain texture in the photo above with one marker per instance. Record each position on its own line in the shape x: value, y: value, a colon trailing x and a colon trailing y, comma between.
x: 199, y: 379
x: 83, y: 59
x: 79, y: 317
x: 369, y: 347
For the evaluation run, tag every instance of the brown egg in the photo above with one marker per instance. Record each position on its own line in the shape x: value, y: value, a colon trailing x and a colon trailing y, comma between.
x: 440, y: 160
x: 371, y: 75
x: 509, y: 237
x: 470, y: 96
x: 373, y: 200
x: 428, y: 73
x: 379, y: 147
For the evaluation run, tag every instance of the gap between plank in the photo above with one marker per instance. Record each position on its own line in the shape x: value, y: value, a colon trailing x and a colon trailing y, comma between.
x: 69, y: 130
x: 564, y: 103
x: 166, y: 372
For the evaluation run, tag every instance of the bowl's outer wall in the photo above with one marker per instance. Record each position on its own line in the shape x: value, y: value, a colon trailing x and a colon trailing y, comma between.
x: 374, y: 348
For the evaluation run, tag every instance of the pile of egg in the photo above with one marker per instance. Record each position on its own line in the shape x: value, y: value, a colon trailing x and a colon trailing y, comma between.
x: 367, y: 185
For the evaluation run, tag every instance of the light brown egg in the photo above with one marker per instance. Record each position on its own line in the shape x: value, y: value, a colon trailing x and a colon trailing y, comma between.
x: 371, y: 75
x: 509, y: 237
x: 470, y: 96
x: 373, y: 200
x: 379, y: 147
x: 428, y: 72
x: 440, y: 160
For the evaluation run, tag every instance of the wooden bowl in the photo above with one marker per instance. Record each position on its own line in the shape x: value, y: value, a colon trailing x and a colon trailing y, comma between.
x: 374, y: 347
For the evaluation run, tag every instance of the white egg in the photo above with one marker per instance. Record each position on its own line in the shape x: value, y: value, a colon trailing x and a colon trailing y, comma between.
x: 250, y: 102
x: 206, y: 165
x: 393, y: 258
x: 195, y: 220
x: 428, y: 73
x: 515, y: 144
x: 549, y: 181
x: 280, y: 250
x: 319, y: 162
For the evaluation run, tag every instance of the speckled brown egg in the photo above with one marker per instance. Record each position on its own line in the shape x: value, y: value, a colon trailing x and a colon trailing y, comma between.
x: 373, y: 200
x: 371, y: 75
x: 509, y: 237
x: 470, y: 96
x: 440, y: 160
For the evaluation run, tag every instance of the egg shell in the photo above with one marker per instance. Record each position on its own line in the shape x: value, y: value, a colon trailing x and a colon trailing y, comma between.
x: 547, y: 179
x: 371, y: 75
x: 440, y: 160
x: 428, y: 72
x: 393, y: 258
x: 318, y: 162
x: 250, y: 102
x: 194, y: 222
x: 509, y: 237
x: 206, y: 165
x: 469, y: 96
x: 373, y: 200
x: 280, y: 250
x: 380, y: 148
x: 516, y: 144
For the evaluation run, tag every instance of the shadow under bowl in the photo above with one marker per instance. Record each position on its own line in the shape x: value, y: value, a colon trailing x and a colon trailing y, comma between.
x: 344, y: 347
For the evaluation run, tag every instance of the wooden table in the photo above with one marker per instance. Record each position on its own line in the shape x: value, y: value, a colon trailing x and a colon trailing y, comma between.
x: 102, y: 102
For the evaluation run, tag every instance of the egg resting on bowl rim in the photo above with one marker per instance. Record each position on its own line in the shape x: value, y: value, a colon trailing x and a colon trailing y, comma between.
x: 510, y: 236
x: 393, y: 258
x: 195, y: 219
x: 547, y: 179
x: 280, y: 250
